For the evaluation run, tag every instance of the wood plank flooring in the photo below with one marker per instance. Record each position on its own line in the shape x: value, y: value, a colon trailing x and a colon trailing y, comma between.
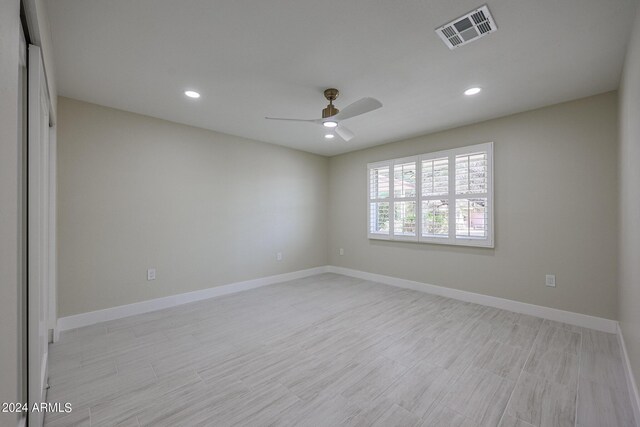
x: 330, y: 350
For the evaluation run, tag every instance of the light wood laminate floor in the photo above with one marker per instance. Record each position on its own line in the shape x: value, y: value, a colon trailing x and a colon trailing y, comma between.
x: 330, y: 350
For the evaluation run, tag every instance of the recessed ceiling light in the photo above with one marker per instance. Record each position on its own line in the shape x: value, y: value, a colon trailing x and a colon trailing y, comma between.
x: 330, y: 124
x: 192, y: 94
x: 329, y: 136
x: 472, y: 91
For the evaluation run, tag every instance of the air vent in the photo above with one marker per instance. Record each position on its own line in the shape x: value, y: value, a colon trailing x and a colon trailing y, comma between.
x: 467, y: 28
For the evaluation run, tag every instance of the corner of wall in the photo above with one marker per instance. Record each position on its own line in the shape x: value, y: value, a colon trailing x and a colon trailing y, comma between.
x: 629, y: 211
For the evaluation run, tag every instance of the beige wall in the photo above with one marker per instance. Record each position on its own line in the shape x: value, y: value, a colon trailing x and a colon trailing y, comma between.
x: 203, y: 208
x: 206, y: 209
x: 556, y: 210
x: 9, y: 207
x: 629, y: 292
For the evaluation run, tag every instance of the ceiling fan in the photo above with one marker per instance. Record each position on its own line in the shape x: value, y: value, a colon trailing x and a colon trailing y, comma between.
x: 332, y: 118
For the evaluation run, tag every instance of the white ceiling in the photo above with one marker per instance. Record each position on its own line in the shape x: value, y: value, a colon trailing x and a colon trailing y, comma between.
x: 251, y: 59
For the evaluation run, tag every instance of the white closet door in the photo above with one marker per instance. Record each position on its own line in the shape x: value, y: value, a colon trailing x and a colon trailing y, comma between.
x: 38, y: 230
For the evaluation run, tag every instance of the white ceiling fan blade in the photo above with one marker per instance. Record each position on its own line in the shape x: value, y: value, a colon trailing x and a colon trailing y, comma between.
x: 357, y: 108
x: 344, y: 133
x: 292, y: 120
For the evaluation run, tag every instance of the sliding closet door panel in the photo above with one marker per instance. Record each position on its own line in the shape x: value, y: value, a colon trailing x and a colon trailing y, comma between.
x: 38, y: 232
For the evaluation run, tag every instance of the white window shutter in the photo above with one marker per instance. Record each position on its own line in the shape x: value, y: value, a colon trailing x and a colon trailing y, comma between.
x: 443, y: 197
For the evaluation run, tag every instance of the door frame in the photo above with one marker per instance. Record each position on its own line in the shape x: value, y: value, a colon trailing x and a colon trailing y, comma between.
x: 41, y: 224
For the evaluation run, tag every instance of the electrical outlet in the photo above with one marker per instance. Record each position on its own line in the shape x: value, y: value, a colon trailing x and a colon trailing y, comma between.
x: 551, y: 280
x: 279, y: 256
x: 341, y: 251
x: 151, y: 274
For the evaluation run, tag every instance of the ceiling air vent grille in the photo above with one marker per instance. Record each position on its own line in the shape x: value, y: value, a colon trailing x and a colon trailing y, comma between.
x: 467, y: 28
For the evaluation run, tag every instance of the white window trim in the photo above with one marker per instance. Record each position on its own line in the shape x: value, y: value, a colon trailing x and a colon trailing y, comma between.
x: 451, y: 196
x: 377, y: 236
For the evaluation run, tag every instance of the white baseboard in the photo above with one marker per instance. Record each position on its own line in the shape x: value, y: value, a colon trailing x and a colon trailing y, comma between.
x: 584, y: 320
x: 631, y: 380
x: 93, y: 317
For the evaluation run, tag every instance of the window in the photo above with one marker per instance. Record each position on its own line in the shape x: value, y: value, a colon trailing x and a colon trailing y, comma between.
x: 443, y: 197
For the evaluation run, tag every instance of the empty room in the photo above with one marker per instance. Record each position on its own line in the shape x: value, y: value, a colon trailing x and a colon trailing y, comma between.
x: 320, y: 213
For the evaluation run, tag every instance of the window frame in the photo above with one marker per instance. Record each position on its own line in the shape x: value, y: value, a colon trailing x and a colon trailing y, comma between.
x: 451, y: 196
x: 370, y: 166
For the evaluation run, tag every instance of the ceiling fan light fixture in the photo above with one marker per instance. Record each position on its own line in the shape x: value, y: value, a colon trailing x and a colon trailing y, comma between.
x: 329, y: 136
x: 472, y: 91
x: 330, y: 124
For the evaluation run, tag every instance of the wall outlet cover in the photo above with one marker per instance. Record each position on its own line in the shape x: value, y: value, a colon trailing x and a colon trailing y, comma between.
x: 551, y: 280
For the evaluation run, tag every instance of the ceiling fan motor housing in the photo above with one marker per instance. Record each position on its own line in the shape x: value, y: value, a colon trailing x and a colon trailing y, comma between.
x: 329, y: 111
x: 331, y: 95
